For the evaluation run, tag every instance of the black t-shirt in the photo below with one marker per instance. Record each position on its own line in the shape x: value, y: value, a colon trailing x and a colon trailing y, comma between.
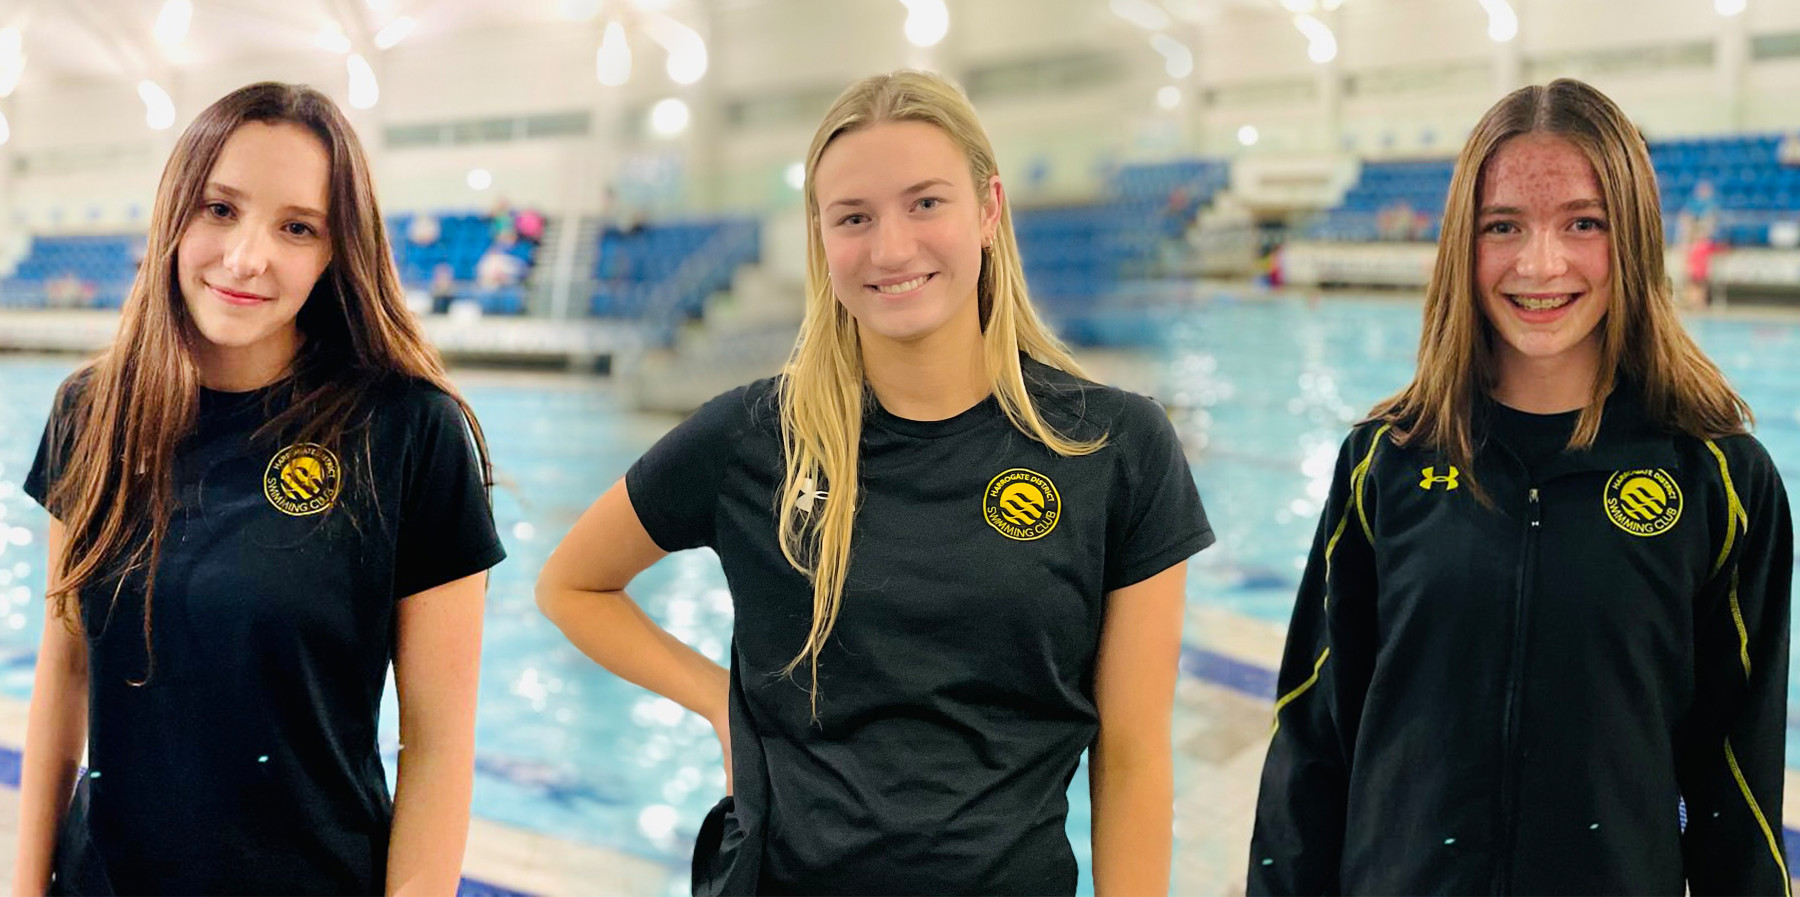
x: 248, y: 762
x: 1534, y: 439
x: 957, y: 688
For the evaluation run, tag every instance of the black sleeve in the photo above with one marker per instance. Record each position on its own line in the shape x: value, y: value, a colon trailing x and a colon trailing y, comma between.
x: 446, y: 522
x: 1164, y: 523
x: 1297, y: 838
x: 58, y: 441
x: 674, y: 487
x: 1731, y: 756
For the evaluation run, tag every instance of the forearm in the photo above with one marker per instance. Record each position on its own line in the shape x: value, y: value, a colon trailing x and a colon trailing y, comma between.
x: 55, y: 734
x: 431, y: 820
x: 611, y: 629
x: 1134, y: 799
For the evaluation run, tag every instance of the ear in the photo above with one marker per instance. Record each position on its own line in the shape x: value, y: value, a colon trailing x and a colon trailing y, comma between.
x: 992, y: 196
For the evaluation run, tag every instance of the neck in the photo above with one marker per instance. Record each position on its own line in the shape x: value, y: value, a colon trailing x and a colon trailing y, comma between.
x: 931, y: 379
x: 1547, y: 386
x: 241, y: 369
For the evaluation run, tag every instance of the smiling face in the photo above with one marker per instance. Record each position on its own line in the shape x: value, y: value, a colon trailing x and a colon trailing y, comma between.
x: 253, y: 251
x: 1543, y: 258
x: 903, y: 226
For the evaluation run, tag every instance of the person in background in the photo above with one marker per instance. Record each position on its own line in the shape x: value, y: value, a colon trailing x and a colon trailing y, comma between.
x: 1541, y: 644
x: 263, y: 495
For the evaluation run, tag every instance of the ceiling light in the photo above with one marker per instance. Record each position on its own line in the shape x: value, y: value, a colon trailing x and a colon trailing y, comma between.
x: 1248, y: 135
x: 687, y: 50
x: 172, y: 23
x: 1178, y: 60
x: 612, y: 64
x: 364, y: 91
x: 1321, y: 44
x: 159, y: 109
x: 395, y: 32
x: 1142, y: 13
x: 668, y: 117
x: 1503, y: 22
x: 927, y: 21
x: 332, y: 39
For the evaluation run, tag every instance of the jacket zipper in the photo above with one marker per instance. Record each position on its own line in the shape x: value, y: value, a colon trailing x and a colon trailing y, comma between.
x: 1509, y: 735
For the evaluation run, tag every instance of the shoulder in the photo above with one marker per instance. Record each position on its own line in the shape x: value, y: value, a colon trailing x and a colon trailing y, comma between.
x: 753, y: 406
x: 1368, y: 438
x: 412, y: 403
x: 72, y: 393
x: 1742, y: 462
x: 1083, y: 409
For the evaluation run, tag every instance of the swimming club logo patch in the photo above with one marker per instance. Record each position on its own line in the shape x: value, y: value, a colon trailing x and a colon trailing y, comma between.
x: 303, y: 479
x: 1642, y: 502
x: 1021, y: 504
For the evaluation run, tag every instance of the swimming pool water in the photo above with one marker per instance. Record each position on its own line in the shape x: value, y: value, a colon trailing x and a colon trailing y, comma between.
x: 1262, y: 393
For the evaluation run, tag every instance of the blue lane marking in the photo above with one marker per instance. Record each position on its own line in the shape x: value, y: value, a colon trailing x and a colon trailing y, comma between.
x: 1218, y: 669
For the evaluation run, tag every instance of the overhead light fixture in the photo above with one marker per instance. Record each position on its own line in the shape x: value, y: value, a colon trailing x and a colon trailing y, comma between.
x: 795, y: 175
x: 1503, y: 22
x: 172, y: 23
x: 1168, y: 96
x: 927, y: 21
x: 668, y: 117
x: 480, y: 179
x: 5, y: 130
x: 1321, y: 44
x: 1729, y: 8
x: 578, y: 10
x: 364, y: 91
x: 159, y: 109
x: 612, y: 64
x: 12, y: 60
x: 1178, y: 60
x: 687, y: 50
x: 394, y: 32
x: 1248, y: 135
x: 1142, y: 13
x: 332, y: 39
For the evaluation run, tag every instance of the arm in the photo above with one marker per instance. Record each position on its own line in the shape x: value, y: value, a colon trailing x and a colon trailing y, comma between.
x: 1730, y: 756
x: 582, y: 591
x: 436, y: 675
x: 1298, y: 835
x: 1130, y: 775
x: 55, y: 735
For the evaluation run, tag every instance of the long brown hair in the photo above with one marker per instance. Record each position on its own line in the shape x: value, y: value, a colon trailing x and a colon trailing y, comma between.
x: 139, y: 399
x: 822, y: 390
x: 1641, y: 336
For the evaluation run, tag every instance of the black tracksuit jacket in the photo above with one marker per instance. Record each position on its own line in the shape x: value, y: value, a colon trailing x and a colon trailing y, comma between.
x: 1517, y: 699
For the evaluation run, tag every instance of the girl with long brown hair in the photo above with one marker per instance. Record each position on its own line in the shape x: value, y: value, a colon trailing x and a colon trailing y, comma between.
x: 262, y: 495
x: 1541, y: 644
x: 955, y: 562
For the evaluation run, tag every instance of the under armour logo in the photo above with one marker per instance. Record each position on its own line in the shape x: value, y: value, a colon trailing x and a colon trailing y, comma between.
x: 807, y: 496
x: 1429, y: 476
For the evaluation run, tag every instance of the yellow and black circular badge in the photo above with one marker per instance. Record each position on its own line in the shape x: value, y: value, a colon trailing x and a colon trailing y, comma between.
x: 1022, y: 504
x: 1642, y: 502
x: 303, y: 479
